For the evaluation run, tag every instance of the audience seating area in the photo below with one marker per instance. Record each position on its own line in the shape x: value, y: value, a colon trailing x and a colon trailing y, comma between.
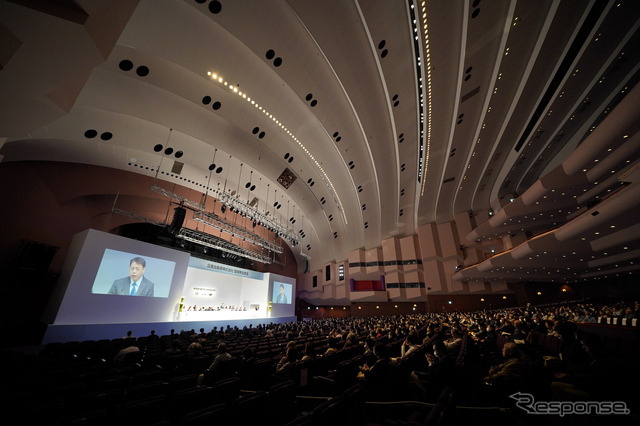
x: 156, y: 380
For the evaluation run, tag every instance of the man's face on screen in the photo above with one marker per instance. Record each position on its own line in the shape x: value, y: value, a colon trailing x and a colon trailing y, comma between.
x: 135, y: 271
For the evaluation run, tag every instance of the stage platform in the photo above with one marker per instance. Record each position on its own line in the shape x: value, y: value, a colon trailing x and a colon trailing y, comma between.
x: 196, y: 320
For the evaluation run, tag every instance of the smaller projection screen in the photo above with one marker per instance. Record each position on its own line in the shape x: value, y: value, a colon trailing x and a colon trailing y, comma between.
x: 282, y: 293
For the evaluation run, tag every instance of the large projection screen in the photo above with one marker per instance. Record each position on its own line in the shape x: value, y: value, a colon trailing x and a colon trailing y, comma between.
x: 100, y: 262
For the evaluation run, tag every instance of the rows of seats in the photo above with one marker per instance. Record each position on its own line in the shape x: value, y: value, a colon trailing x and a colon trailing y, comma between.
x: 79, y: 383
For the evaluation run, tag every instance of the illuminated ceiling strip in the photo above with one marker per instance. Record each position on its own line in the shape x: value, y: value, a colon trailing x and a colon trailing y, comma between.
x: 429, y: 104
x: 323, y: 174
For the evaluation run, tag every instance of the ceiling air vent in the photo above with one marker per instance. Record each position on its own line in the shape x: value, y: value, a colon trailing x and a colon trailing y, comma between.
x: 471, y: 94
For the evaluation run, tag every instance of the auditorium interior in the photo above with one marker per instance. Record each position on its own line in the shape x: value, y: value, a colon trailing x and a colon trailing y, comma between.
x: 415, y: 172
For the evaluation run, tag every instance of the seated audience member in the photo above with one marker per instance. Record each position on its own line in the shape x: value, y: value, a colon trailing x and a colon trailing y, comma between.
x: 246, y: 367
x: 489, y: 338
x: 215, y: 369
x: 409, y: 346
x: 153, y: 336
x: 124, y: 352
x: 379, y: 373
x: 571, y: 351
x: 287, y: 362
x: 369, y: 344
x: 589, y: 318
x: 194, y: 350
x: 350, y: 341
x: 440, y: 371
x: 540, y: 326
x: 455, y: 341
x: 333, y: 346
x: 174, y: 348
x: 520, y: 331
x: 290, y: 343
x: 594, y: 379
x: 505, y: 377
x: 432, y: 331
x: 309, y: 352
x: 505, y: 327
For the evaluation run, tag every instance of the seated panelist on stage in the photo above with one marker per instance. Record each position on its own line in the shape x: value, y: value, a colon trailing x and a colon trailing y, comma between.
x: 136, y: 284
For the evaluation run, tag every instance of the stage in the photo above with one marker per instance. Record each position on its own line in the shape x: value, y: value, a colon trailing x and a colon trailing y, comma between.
x: 60, y: 333
x: 182, y: 293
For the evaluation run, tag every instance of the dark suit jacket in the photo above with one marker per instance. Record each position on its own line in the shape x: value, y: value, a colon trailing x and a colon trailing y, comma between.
x: 122, y: 286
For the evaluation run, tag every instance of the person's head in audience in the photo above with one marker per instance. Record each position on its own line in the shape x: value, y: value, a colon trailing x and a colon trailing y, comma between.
x: 195, y: 348
x: 368, y: 343
x: 510, y: 350
x: 593, y: 346
x: 439, y: 349
x: 333, y: 343
x: 247, y: 353
x: 380, y: 350
x: 412, y: 337
x: 292, y: 354
x: 310, y: 350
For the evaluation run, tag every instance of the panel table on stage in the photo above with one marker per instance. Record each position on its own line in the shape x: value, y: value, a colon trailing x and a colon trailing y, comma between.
x: 223, y: 314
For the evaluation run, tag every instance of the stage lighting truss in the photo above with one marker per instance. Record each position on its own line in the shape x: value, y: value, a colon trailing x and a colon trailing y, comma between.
x: 174, y: 196
x: 212, y: 241
x: 239, y: 207
x: 137, y: 217
x: 246, y: 210
x: 217, y: 222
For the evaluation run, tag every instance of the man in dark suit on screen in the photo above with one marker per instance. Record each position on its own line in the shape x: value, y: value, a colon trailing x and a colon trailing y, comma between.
x: 281, y: 298
x: 136, y: 284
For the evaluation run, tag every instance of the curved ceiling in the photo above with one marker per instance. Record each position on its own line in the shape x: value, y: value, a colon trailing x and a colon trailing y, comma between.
x: 384, y: 115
